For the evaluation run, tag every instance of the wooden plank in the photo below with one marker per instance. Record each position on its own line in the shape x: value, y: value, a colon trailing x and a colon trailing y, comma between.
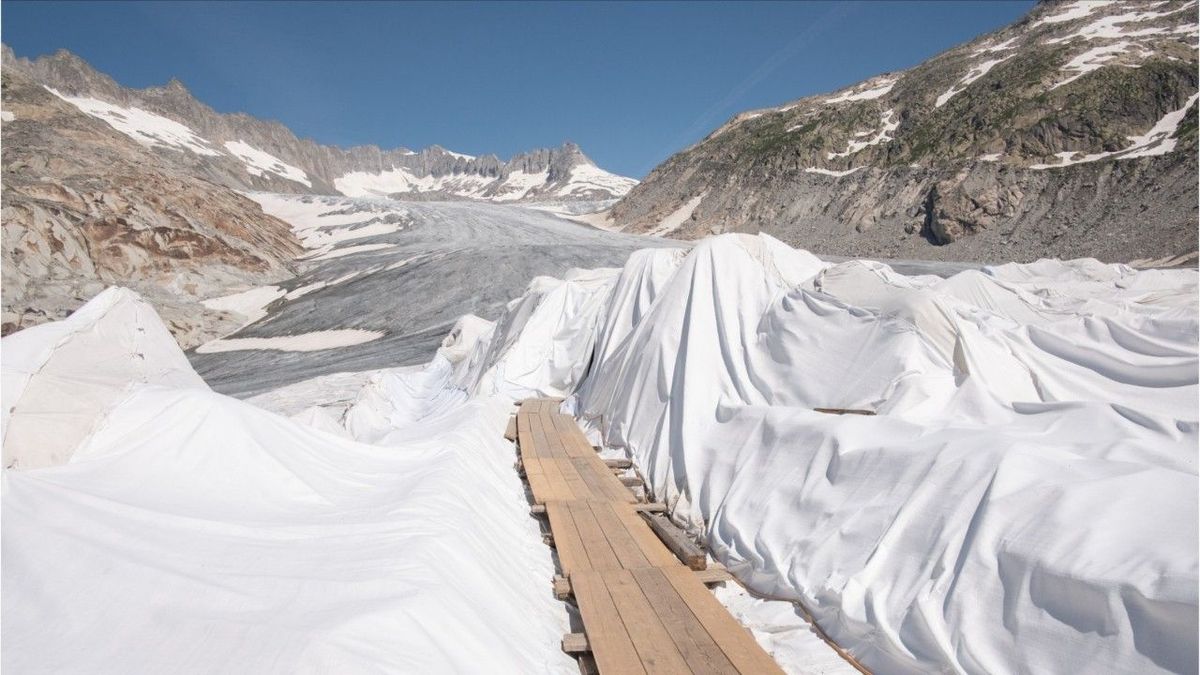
x: 630, y: 481
x: 603, y: 481
x: 572, y: 555
x: 574, y: 443
x: 510, y: 431
x: 524, y: 432
x: 555, y: 442
x: 677, y: 541
x: 599, y: 552
x: 540, y: 446
x: 579, y: 488
x: 655, y: 648
x: 537, y: 510
x: 651, y: 507
x: 619, y: 463
x: 690, y: 637
x: 610, y: 642
x: 626, y: 548
x: 735, y: 642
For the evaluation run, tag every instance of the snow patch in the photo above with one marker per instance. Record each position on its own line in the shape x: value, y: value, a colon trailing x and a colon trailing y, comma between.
x: 1157, y: 141
x: 401, y: 180
x: 1075, y: 10
x: 994, y: 157
x: 328, y: 253
x: 1092, y: 59
x: 1110, y: 27
x: 586, y: 177
x: 875, y: 91
x: 832, y: 172
x: 257, y: 162
x: 876, y: 137
x: 998, y: 47
x: 517, y: 185
x: 305, y: 342
x: 976, y: 72
x: 142, y: 126
x: 6, y: 116
x: 677, y: 217
x: 251, y: 304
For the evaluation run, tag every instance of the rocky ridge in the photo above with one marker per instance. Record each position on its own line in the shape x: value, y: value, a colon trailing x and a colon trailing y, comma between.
x: 245, y: 153
x: 85, y: 207
x: 1069, y: 133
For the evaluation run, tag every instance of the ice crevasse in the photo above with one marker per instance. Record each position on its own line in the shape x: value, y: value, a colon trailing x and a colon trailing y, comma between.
x: 1023, y: 500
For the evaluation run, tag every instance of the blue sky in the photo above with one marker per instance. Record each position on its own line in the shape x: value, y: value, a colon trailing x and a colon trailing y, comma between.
x: 630, y: 82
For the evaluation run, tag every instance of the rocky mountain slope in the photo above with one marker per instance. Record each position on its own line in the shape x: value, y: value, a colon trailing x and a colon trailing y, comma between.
x: 1069, y: 133
x: 85, y: 207
x: 104, y: 184
x: 246, y: 153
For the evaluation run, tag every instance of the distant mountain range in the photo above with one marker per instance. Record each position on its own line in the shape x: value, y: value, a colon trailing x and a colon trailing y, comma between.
x: 109, y: 185
x: 242, y: 152
x: 1070, y: 133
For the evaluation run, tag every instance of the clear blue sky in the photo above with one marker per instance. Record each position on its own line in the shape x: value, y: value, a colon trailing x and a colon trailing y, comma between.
x: 630, y: 82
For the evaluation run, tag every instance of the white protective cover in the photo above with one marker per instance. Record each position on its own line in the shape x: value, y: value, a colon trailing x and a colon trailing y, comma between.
x: 1025, y: 500
x: 59, y: 378
x: 191, y: 532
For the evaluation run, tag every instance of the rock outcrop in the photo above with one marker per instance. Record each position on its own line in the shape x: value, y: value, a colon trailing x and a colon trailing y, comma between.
x: 84, y: 207
x: 1069, y: 133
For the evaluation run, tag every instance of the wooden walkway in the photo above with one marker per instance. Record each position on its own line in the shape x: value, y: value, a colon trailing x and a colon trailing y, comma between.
x: 643, y: 611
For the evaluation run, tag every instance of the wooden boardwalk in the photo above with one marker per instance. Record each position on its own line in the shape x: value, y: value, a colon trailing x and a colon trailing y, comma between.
x: 643, y: 611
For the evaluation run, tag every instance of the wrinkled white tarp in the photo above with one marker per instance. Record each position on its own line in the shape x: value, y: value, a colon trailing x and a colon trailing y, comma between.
x: 191, y: 532
x: 60, y: 378
x: 1025, y: 500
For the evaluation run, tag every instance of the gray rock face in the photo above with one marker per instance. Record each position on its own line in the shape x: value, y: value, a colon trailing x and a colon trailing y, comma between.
x: 432, y: 173
x: 1069, y: 133
x: 85, y: 207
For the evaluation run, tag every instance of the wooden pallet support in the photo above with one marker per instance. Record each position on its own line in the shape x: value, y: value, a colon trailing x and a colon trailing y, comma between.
x: 677, y: 541
x: 631, y: 481
x: 510, y: 432
x: 619, y: 463
x: 576, y: 643
x: 537, y: 510
x: 844, y: 411
x: 562, y: 587
x: 651, y: 507
x: 713, y: 575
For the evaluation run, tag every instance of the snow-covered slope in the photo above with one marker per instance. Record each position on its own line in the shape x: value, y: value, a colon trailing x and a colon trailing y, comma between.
x: 566, y: 174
